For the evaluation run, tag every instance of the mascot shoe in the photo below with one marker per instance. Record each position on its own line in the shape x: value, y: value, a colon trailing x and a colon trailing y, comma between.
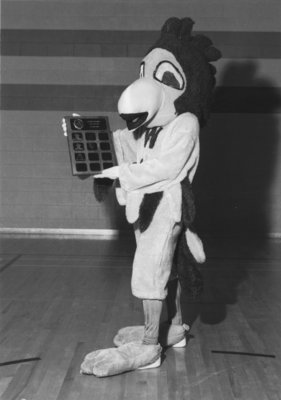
x: 169, y: 335
x: 128, y: 357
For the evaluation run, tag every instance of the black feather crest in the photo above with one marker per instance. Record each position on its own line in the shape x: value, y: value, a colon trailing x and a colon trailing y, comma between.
x: 186, y: 28
x: 171, y: 26
x: 194, y: 52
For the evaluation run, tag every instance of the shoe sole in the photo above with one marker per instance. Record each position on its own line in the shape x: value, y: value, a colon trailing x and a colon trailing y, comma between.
x: 180, y: 344
x: 155, y: 364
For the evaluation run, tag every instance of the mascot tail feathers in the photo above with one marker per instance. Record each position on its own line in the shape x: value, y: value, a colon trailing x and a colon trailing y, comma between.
x: 195, y: 246
x: 189, y: 251
x: 189, y: 274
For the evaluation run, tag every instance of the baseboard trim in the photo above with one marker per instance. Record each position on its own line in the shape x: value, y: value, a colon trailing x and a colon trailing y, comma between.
x: 95, y: 233
x: 63, y: 233
x: 274, y: 235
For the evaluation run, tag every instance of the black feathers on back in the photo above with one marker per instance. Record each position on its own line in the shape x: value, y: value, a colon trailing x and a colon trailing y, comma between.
x: 189, y: 274
x: 148, y: 207
x: 188, y: 204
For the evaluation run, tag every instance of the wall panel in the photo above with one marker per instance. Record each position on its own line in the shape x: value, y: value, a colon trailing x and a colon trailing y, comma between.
x: 120, y: 71
x: 146, y: 15
x: 64, y: 56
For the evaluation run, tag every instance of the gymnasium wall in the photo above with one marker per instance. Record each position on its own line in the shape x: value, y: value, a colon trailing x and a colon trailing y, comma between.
x: 66, y: 56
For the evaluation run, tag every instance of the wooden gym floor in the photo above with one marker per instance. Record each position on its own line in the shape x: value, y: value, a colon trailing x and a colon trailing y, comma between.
x: 61, y: 298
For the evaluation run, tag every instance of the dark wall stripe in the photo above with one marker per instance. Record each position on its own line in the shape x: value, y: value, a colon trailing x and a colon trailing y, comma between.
x: 105, y: 98
x: 247, y: 100
x: 96, y: 43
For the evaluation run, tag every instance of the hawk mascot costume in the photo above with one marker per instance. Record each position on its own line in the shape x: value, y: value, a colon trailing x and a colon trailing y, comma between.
x: 158, y: 154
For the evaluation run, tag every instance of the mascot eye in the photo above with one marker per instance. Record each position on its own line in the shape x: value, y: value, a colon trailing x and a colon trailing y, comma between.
x: 169, y: 75
x: 142, y: 68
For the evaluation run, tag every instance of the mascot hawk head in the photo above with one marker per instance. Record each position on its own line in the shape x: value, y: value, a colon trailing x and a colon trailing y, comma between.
x: 175, y: 77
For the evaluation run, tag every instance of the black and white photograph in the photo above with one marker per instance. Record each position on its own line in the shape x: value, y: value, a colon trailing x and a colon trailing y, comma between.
x: 140, y: 188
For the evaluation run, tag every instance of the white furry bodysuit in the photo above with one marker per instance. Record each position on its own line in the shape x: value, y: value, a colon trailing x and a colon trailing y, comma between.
x: 148, y: 170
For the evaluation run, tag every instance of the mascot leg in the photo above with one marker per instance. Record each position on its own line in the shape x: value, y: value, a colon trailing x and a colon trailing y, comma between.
x: 171, y: 333
x: 152, y: 313
x: 175, y: 329
x: 155, y: 252
x: 173, y: 302
x: 151, y: 271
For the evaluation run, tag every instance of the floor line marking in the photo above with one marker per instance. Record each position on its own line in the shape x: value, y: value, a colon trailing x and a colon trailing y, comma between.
x: 24, y: 360
x: 9, y: 263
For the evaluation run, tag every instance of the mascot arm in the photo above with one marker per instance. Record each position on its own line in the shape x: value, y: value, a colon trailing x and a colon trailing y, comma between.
x: 125, y: 146
x: 178, y: 156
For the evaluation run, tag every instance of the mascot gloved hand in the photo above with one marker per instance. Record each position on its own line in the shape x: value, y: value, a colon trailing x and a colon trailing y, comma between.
x: 158, y: 155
